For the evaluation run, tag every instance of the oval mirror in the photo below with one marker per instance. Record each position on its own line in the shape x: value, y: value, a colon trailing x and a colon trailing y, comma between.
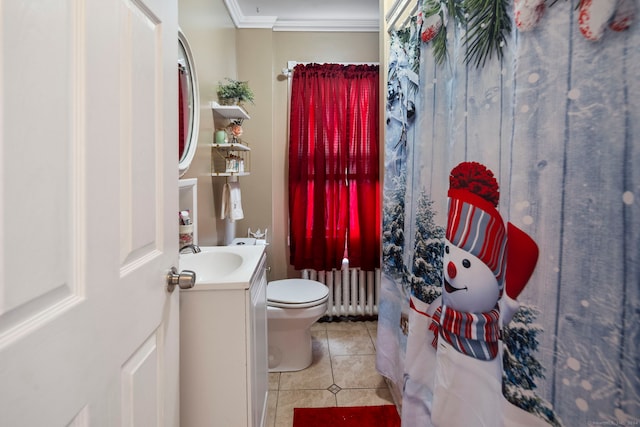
x: 188, y: 105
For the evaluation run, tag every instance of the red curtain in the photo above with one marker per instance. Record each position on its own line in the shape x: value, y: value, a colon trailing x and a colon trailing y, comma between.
x: 334, y: 198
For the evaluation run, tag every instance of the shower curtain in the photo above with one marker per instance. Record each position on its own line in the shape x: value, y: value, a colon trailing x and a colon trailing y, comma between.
x: 555, y: 120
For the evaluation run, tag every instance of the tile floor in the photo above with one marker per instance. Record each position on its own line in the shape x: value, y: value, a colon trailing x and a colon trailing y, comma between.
x: 343, y: 373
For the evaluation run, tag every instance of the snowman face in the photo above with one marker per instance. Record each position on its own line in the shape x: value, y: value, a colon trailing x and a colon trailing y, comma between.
x: 469, y: 285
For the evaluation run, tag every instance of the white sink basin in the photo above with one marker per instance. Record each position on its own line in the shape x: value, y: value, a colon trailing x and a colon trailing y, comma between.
x: 210, y: 265
x: 222, y: 266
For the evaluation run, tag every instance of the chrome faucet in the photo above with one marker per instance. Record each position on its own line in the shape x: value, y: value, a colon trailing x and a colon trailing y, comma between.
x: 194, y: 248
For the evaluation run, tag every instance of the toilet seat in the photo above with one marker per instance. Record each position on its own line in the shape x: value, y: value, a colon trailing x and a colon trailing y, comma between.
x: 296, y: 293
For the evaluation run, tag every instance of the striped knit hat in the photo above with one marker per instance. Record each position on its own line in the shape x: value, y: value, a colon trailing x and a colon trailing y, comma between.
x: 473, y: 222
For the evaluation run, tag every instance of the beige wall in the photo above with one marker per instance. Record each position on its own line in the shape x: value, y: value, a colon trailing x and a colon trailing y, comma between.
x: 256, y: 55
x: 212, y: 37
x: 254, y: 65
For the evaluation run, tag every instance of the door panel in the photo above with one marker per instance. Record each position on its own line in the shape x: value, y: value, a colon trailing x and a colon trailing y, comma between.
x: 139, y: 375
x: 88, y: 122
x: 40, y: 158
x: 141, y: 143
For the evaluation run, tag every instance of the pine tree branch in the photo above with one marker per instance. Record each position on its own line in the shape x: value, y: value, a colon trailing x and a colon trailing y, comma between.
x: 440, y: 53
x: 488, y: 26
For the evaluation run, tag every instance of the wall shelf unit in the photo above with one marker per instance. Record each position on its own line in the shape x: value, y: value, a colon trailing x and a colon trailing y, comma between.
x: 232, y: 146
x: 188, y: 200
x: 230, y: 111
x: 232, y: 158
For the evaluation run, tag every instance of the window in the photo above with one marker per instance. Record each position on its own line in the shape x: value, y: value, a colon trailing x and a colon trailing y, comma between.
x: 334, y: 197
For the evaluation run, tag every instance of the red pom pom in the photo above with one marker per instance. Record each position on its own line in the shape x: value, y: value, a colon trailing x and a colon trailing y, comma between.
x: 476, y: 178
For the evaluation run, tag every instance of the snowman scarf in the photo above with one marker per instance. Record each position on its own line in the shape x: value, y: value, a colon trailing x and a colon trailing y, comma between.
x: 473, y: 334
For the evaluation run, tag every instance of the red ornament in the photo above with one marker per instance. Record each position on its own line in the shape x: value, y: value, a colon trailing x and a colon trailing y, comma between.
x: 527, y: 13
x: 594, y: 15
x: 431, y: 27
x: 624, y: 16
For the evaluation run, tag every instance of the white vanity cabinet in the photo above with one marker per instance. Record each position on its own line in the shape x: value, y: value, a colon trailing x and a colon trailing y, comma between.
x: 223, y: 353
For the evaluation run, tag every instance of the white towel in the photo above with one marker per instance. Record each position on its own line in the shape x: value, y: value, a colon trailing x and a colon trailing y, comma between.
x: 231, y: 202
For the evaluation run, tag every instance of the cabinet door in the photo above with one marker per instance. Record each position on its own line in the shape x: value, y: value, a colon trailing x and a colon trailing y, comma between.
x: 259, y: 380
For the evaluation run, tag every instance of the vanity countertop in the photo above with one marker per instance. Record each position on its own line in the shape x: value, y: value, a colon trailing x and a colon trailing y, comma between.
x: 223, y: 267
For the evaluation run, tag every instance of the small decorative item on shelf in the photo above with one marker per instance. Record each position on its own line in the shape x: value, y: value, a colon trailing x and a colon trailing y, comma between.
x: 186, y: 229
x: 235, y: 163
x: 221, y: 136
x: 234, y: 92
x: 235, y: 130
x: 186, y: 235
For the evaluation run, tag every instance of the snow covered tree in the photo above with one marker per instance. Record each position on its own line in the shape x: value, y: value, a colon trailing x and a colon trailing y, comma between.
x: 426, y: 278
x: 393, y: 226
x: 521, y: 368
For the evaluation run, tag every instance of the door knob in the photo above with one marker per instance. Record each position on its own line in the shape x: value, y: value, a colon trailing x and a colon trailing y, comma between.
x: 184, y: 280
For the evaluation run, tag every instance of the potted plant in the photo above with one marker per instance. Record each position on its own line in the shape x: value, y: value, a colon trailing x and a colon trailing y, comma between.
x: 234, y: 92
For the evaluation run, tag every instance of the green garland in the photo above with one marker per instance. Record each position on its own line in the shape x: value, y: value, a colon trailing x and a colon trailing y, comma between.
x: 488, y: 26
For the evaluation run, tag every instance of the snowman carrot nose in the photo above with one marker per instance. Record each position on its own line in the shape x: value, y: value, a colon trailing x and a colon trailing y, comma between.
x: 451, y: 269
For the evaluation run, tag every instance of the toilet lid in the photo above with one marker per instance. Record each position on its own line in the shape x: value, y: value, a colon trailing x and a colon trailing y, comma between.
x: 296, y: 291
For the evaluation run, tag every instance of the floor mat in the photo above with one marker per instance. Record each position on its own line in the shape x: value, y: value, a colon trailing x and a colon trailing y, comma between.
x: 354, y: 416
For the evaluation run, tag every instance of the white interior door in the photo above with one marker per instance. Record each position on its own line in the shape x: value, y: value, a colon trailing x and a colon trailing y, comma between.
x: 88, y: 125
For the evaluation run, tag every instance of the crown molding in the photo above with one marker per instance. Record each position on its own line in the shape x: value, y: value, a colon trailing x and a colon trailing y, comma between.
x: 343, y: 25
x: 242, y: 21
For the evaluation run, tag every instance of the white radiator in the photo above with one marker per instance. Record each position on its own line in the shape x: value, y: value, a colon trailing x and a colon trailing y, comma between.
x: 352, y: 292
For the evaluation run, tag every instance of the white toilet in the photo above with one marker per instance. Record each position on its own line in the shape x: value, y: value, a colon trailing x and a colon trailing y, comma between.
x: 293, y: 305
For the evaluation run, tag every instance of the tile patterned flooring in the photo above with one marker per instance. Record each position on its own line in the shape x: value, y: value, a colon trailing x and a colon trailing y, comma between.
x: 342, y: 373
